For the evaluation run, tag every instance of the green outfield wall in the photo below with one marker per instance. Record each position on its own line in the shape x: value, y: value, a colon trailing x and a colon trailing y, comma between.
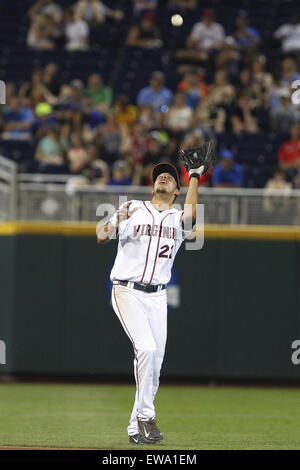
x: 235, y: 304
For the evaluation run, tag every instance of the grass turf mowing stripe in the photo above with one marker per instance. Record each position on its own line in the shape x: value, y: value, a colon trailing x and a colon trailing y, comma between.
x: 96, y: 416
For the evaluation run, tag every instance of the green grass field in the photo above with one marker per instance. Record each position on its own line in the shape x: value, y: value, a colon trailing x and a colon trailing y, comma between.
x: 191, y: 417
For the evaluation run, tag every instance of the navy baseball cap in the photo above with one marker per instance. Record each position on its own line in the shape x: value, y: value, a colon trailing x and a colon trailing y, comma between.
x: 165, y: 167
x: 226, y: 154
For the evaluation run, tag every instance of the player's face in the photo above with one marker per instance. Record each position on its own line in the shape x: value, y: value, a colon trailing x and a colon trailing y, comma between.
x: 165, y: 184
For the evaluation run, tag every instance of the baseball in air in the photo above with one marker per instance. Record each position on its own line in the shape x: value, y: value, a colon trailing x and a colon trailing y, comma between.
x: 176, y: 20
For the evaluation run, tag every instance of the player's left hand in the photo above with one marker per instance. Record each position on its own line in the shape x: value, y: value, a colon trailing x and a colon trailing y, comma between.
x: 199, y: 159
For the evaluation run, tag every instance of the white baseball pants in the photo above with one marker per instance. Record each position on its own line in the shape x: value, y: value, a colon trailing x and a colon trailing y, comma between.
x: 144, y: 319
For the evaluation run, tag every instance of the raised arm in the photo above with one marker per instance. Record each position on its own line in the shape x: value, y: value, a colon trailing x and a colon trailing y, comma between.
x: 191, y: 201
x: 197, y: 161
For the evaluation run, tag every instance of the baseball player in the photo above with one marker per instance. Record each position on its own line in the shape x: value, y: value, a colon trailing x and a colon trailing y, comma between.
x: 150, y: 234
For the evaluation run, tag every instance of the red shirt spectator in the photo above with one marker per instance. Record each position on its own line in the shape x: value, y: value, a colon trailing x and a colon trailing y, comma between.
x: 289, y: 152
x: 203, y: 181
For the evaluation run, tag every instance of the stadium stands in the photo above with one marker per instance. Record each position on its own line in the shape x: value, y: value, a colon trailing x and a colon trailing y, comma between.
x: 126, y: 70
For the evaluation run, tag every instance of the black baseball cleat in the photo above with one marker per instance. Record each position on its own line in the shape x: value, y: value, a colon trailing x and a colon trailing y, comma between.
x: 149, y: 431
x: 136, y: 439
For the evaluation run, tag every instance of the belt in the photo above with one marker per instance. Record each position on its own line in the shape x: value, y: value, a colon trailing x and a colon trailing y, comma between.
x: 142, y: 287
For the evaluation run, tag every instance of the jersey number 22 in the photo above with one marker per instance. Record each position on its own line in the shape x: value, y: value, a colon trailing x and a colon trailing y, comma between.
x: 164, y: 251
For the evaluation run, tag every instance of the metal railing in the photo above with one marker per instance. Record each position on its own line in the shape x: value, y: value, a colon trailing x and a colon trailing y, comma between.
x: 51, y: 197
x: 50, y: 201
x: 8, y: 189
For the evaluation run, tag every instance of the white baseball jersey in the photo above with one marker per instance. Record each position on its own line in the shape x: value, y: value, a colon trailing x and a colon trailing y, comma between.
x: 148, y: 243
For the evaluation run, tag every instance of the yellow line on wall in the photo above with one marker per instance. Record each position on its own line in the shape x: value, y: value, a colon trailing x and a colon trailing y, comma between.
x: 241, y: 232
x: 252, y: 232
x: 48, y: 228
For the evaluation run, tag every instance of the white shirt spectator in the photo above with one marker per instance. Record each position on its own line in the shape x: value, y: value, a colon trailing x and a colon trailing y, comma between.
x: 40, y: 34
x: 95, y: 11
x: 208, y: 37
x: 77, y: 34
x: 180, y: 118
x: 52, y: 9
x: 290, y: 36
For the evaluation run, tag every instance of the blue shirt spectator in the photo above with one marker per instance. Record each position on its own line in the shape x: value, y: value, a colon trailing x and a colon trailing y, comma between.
x: 17, y: 120
x: 120, y: 174
x: 155, y: 95
x: 124, y: 182
x: 245, y: 35
x: 247, y: 40
x: 289, y: 72
x: 227, y: 173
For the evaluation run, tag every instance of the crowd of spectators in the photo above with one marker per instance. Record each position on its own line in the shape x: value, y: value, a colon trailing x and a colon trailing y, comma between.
x: 52, y: 26
x: 104, y: 138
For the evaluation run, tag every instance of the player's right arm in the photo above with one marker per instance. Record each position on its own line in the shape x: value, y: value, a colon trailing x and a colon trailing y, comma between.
x: 106, y: 232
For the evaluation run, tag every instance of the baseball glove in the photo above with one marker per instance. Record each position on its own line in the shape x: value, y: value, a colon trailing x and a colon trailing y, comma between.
x: 199, y: 158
